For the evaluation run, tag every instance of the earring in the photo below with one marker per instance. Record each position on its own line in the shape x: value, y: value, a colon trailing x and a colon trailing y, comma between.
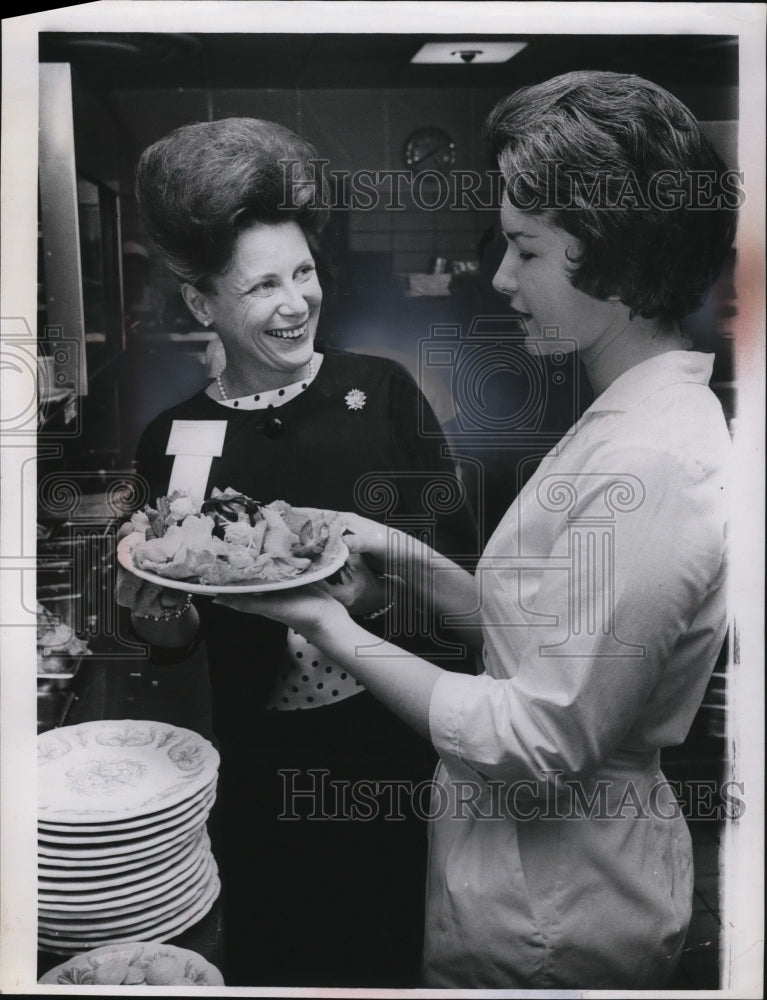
x: 206, y: 323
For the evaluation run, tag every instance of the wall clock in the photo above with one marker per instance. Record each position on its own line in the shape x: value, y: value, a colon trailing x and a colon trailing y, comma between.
x: 429, y: 148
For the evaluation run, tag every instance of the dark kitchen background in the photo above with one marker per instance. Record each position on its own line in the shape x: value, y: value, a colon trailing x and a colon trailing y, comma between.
x: 117, y: 346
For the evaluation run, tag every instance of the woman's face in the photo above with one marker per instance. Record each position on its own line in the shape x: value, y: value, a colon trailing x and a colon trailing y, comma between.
x: 266, y: 305
x: 534, y: 276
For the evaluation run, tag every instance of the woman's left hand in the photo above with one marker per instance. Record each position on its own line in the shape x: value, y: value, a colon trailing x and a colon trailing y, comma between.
x: 357, y: 586
x: 308, y: 610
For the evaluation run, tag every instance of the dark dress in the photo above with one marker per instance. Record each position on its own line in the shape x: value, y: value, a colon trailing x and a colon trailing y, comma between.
x: 337, y: 899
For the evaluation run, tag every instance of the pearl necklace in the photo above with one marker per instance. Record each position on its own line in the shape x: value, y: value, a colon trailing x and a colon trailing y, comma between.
x: 222, y: 390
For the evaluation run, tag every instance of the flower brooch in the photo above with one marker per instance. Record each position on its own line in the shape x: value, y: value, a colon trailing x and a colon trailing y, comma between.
x: 355, y: 399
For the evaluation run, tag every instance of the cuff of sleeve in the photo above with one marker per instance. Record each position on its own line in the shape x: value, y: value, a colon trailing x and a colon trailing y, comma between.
x: 445, y: 721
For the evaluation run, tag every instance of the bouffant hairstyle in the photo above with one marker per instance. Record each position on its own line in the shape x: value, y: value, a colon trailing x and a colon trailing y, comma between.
x: 202, y: 184
x: 624, y: 167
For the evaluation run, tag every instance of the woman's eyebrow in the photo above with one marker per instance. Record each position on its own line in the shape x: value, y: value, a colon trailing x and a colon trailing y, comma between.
x: 518, y: 233
x: 257, y: 276
x: 248, y: 277
x: 247, y: 283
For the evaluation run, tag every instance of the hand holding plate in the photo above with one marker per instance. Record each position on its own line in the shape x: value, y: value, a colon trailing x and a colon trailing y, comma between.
x: 360, y: 534
x: 358, y: 587
x: 308, y: 609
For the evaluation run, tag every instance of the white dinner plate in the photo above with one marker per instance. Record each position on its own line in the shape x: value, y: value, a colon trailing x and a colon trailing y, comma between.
x: 116, y: 849
x: 128, y: 896
x: 200, y: 809
x: 162, y: 932
x: 119, y: 769
x: 45, y: 827
x: 139, y: 927
x: 78, y: 971
x: 72, y: 896
x: 137, y: 916
x: 326, y: 565
x: 95, y: 879
x: 111, y: 865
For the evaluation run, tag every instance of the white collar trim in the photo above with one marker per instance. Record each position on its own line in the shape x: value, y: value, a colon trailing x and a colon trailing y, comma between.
x: 269, y: 398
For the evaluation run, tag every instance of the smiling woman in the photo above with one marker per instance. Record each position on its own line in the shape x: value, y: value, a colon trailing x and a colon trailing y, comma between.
x: 265, y: 308
x: 288, y: 420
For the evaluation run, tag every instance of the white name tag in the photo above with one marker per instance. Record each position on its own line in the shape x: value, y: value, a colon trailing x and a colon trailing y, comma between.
x: 195, y: 443
x: 197, y: 437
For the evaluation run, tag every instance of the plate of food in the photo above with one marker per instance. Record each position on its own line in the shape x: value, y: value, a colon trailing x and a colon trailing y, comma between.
x: 231, y: 544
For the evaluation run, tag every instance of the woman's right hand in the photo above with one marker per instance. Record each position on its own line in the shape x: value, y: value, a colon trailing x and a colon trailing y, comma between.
x: 143, y: 598
x: 148, y: 602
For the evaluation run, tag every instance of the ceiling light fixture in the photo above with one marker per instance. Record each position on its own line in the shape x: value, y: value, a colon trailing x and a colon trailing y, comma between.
x: 467, y: 52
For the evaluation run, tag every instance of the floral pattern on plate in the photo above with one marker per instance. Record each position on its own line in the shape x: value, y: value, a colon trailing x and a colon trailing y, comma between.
x: 105, y: 777
x: 129, y: 736
x: 121, y: 768
x: 135, y: 964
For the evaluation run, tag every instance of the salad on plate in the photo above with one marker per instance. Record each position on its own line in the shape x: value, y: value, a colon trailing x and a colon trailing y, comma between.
x: 231, y: 539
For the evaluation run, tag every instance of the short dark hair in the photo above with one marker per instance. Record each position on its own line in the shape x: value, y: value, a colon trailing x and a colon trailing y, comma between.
x: 611, y: 158
x: 201, y: 184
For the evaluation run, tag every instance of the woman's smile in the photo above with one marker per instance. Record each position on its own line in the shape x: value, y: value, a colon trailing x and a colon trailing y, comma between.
x: 289, y: 333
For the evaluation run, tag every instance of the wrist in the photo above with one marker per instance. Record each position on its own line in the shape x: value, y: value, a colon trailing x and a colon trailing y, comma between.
x: 404, y: 552
x: 169, y: 633
x: 168, y: 614
x: 378, y: 612
x: 334, y: 621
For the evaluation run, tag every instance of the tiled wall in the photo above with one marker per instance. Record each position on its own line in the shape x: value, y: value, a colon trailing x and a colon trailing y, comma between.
x: 357, y: 129
x: 354, y: 130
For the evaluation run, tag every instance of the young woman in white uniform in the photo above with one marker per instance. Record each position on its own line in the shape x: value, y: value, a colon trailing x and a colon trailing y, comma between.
x: 558, y: 855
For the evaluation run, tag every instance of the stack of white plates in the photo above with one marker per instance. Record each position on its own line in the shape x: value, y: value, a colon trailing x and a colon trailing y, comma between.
x: 123, y: 851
